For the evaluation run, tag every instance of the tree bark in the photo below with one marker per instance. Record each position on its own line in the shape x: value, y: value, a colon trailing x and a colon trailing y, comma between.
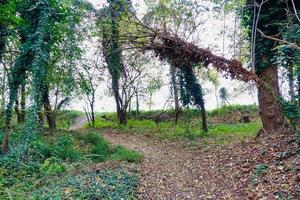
x: 51, y: 119
x: 204, y: 119
x: 17, y: 110
x: 270, y: 111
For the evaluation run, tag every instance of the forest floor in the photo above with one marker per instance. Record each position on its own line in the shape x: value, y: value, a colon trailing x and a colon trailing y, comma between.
x: 267, y: 168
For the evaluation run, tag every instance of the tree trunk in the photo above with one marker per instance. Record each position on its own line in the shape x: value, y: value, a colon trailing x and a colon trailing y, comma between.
x: 270, y: 112
x: 17, y: 110
x: 123, y: 117
x: 204, y: 120
x: 23, y: 104
x: 51, y: 119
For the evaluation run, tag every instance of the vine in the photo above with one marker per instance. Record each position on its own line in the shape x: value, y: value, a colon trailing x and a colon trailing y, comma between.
x: 35, y: 51
x: 191, y: 92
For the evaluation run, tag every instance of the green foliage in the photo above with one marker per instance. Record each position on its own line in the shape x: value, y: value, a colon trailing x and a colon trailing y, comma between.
x: 64, y: 148
x: 271, y: 13
x: 190, y: 89
x: 103, y: 184
x: 100, y: 123
x: 52, y: 165
x: 292, y: 112
x: 57, y: 154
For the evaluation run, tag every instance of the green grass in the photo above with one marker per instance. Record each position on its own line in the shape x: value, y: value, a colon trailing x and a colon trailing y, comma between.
x: 122, y: 153
x: 221, y: 132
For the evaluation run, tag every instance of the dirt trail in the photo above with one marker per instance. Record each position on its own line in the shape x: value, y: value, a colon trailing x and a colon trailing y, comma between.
x: 170, y: 171
x: 78, y: 123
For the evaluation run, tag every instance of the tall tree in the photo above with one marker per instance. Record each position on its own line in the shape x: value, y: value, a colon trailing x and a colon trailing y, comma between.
x: 116, y: 10
x: 266, y: 16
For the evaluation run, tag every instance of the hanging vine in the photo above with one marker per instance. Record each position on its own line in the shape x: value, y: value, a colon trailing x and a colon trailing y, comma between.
x: 191, y: 92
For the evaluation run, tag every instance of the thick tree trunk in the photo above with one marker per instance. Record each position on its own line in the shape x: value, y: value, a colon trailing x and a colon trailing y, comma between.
x: 51, y: 120
x: 270, y: 112
x: 204, y: 119
x: 17, y: 110
x: 123, y: 117
x: 23, y: 104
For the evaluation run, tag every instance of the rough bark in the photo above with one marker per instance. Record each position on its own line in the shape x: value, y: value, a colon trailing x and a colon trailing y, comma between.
x: 51, y: 119
x: 270, y: 111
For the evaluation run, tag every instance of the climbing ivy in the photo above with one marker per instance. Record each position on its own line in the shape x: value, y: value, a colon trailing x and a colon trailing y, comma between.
x: 36, y: 38
x: 191, y: 92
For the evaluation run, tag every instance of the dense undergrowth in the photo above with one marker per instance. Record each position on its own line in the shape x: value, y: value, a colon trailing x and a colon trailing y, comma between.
x: 50, y: 168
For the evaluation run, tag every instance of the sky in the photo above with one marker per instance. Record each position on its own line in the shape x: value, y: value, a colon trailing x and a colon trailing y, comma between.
x: 208, y: 38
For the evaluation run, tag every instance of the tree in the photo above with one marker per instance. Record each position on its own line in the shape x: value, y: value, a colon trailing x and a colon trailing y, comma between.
x: 112, y: 49
x: 257, y: 17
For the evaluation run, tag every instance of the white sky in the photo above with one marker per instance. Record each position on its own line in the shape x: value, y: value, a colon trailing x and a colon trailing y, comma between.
x: 209, y: 38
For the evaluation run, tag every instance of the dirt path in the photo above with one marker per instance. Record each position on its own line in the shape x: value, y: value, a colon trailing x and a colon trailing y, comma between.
x: 170, y: 171
x: 78, y: 123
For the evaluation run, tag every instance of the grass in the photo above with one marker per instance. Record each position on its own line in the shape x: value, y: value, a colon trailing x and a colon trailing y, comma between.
x: 220, y: 132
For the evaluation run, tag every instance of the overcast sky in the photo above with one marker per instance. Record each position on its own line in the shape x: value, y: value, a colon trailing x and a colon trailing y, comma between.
x: 209, y: 38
